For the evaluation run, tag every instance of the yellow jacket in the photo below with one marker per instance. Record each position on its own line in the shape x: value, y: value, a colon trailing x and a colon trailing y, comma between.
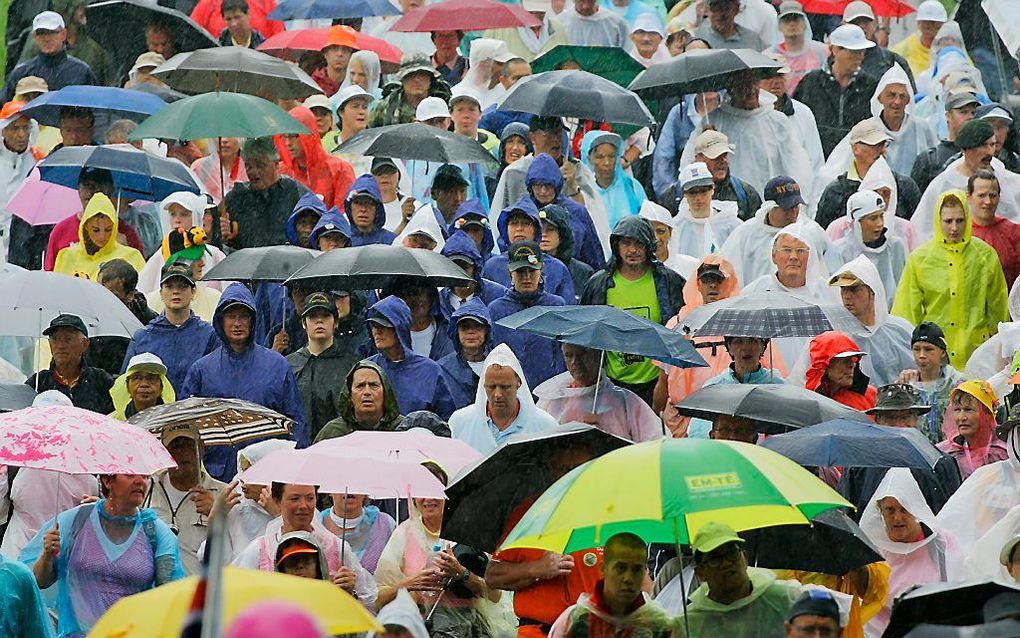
x: 76, y: 259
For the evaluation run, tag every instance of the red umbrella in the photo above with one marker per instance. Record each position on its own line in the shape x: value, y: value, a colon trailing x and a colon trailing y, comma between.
x: 464, y: 15
x: 882, y: 8
x: 289, y: 45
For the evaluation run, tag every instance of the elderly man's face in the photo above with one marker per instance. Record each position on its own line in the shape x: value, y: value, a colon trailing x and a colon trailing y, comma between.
x: 76, y: 131
x: 981, y: 156
x: 782, y: 217
x: 17, y: 133
x: 582, y: 364
x: 849, y: 59
x: 719, y: 167
x: 512, y: 74
x: 896, y: 418
x: 790, y: 256
x: 894, y: 99
x: 733, y: 428
x: 722, y: 14
x: 67, y: 346
x: 144, y: 388
x: 646, y: 42
x: 160, y: 41
x: 900, y: 525
x: 367, y: 392
x: 50, y: 42
x: 263, y: 172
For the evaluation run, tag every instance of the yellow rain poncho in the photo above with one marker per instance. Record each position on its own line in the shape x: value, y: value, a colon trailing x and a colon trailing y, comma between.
x: 76, y: 259
x: 144, y: 362
x: 958, y: 286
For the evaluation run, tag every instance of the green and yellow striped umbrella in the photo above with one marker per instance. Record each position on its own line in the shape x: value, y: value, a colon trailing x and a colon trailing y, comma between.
x: 664, y: 490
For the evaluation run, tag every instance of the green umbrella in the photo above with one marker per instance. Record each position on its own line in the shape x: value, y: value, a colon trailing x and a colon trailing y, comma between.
x: 218, y: 114
x: 611, y: 63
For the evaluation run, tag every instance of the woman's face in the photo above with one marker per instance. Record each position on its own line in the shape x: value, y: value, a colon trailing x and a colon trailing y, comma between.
x: 230, y: 146
x: 100, y: 230
x: 603, y: 158
x: 966, y: 414
x: 128, y: 489
x: 430, y: 508
x: 357, y: 72
x: 514, y: 149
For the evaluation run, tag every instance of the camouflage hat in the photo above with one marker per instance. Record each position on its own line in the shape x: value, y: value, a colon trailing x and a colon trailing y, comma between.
x: 897, y: 397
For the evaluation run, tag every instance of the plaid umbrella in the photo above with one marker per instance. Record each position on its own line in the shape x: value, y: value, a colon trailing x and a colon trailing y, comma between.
x: 218, y: 421
x: 768, y: 315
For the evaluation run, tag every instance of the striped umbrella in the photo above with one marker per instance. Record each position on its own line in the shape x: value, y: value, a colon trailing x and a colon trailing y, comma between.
x: 218, y: 421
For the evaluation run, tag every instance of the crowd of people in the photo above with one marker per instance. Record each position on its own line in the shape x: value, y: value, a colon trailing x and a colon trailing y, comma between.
x: 874, y: 171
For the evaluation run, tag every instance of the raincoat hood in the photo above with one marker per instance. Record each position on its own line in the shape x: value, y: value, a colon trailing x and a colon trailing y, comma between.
x: 236, y: 293
x: 475, y: 309
x: 366, y: 185
x: 895, y: 75
x: 308, y: 538
x: 391, y: 410
x: 373, y: 69
x: 100, y: 204
x: 311, y: 144
x: 823, y: 349
x: 396, y: 312
x: 939, y: 238
x: 474, y: 209
x: 729, y: 287
x: 460, y: 244
x: 815, y: 276
x: 502, y: 355
x: 636, y: 228
x: 308, y: 202
x: 403, y: 612
x: 544, y: 170
x: 332, y: 220
x: 862, y: 268
x: 901, y: 485
x: 424, y: 221
x: 121, y: 398
x: 514, y: 129
x: 881, y: 176
x: 624, y: 195
x: 524, y: 205
x: 258, y: 451
x: 560, y: 218
x: 194, y: 203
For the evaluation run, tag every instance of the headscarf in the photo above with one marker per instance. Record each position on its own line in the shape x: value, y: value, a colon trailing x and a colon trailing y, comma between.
x: 971, y: 454
x: 624, y: 195
x: 403, y: 612
x: 373, y: 69
x: 423, y: 221
x: 900, y: 484
x: 479, y: 73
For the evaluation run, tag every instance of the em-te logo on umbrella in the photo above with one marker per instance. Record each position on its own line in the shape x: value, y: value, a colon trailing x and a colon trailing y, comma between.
x: 713, y: 482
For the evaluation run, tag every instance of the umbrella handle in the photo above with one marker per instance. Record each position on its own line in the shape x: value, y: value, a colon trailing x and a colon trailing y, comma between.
x: 683, y: 587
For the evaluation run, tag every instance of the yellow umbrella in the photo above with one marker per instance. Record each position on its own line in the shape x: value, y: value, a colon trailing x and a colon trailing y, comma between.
x: 160, y: 612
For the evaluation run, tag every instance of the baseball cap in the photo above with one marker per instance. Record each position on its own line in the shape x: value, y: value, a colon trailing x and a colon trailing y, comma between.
x: 383, y: 162
x: 850, y: 36
x: 319, y: 301
x: 710, y: 270
x: 712, y: 144
x: 791, y: 7
x: 863, y: 203
x: 845, y: 280
x: 712, y: 536
x: 148, y: 59
x: 929, y: 332
x: 318, y: 101
x: 379, y: 319
x: 66, y: 320
x: 959, y: 98
x: 146, y: 362
x: 524, y: 254
x: 177, y: 431
x: 858, y: 9
x: 464, y: 92
x: 296, y: 549
x: 448, y: 176
x: 648, y: 23
x: 1007, y: 550
x: 340, y: 35
x: 814, y: 602
x: 869, y: 131
x: 347, y: 94
x: 431, y: 108
x: 993, y: 111
x: 176, y: 269
x: 784, y: 191
x: 31, y: 84
x: 48, y: 21
x: 931, y: 11
x: 694, y: 175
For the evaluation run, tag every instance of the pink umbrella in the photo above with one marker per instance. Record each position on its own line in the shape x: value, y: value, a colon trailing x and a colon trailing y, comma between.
x: 39, y: 203
x: 75, y: 441
x: 405, y: 447
x: 345, y: 472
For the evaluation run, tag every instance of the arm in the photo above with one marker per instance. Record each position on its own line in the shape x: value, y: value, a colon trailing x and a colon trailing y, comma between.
x: 512, y: 576
x: 45, y: 568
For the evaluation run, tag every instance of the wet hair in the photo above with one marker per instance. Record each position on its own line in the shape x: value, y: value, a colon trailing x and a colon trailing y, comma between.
x: 437, y: 471
x: 623, y: 540
x: 276, y: 490
x: 119, y: 270
x: 234, y: 5
x: 983, y: 173
x: 76, y: 112
x: 120, y: 128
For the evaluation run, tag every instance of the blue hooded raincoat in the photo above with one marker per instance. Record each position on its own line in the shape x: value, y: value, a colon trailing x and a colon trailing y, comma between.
x: 308, y: 202
x: 178, y: 346
x: 540, y: 357
x: 488, y: 291
x: 332, y: 221
x: 472, y: 209
x: 366, y: 185
x: 460, y: 378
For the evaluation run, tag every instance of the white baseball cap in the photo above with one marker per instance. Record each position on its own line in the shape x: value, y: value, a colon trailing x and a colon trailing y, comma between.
x: 463, y: 91
x: 431, y: 108
x: 931, y: 11
x: 348, y: 93
x: 503, y: 54
x: 694, y: 175
x: 317, y: 101
x: 48, y: 21
x: 649, y: 23
x: 864, y: 203
x: 850, y: 36
x: 543, y: 6
x: 858, y: 9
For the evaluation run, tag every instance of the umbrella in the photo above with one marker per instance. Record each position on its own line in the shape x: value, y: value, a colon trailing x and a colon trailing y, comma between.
x: 162, y: 611
x: 416, y: 141
x: 15, y: 396
x: 289, y: 45
x: 119, y: 27
x: 237, y: 70
x: 672, y: 488
x: 882, y: 8
x: 464, y: 15
x: 322, y: 9
x: 40, y: 203
x: 114, y: 102
x: 29, y: 299
x: 1000, y: 15
x: 377, y: 266
x: 136, y: 173
x: 404, y: 447
x: 75, y: 441
x: 832, y: 544
x: 768, y: 315
x: 612, y: 63
x: 218, y: 421
x: 774, y: 408
x: 1008, y: 628
x: 606, y: 328
x: 485, y: 498
x: 944, y: 604
x: 699, y: 71
x: 577, y: 94
x: 217, y: 114
x: 164, y: 93
x: 843, y: 443
x: 265, y: 263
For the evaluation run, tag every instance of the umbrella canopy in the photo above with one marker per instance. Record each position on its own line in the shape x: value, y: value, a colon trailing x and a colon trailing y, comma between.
x: 488, y: 497
x: 768, y: 315
x: 882, y: 8
x: 114, y: 102
x: 38, y: 202
x: 162, y: 611
x: 75, y: 441
x: 606, y: 328
x: 1007, y: 628
x: 843, y: 443
x: 264, y: 263
x: 218, y: 421
x: 699, y: 71
x: 416, y: 141
x: 290, y: 45
x: 335, y: 9
x: 216, y: 115
x: 832, y: 544
x: 774, y: 408
x: 404, y: 447
x: 577, y: 94
x: 378, y: 266
x: 465, y: 15
x: 237, y: 70
x: 119, y: 27
x: 944, y: 604
x: 672, y: 488
x: 163, y: 92
x: 29, y: 299
x: 611, y: 63
x: 15, y: 396
x: 136, y: 173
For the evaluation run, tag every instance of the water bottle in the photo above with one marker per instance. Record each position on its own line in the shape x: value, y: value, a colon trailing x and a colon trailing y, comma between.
x: 429, y: 598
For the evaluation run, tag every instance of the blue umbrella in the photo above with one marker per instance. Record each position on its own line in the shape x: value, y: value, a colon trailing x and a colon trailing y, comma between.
x: 118, y: 103
x: 321, y: 9
x: 846, y: 443
x: 137, y: 174
x: 606, y: 328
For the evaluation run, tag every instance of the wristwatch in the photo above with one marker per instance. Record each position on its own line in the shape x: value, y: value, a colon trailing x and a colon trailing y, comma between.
x: 465, y: 577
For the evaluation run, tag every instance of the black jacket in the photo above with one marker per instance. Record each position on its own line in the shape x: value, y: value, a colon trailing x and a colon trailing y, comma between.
x: 321, y: 380
x: 58, y: 70
x: 91, y: 393
x: 836, y: 110
x: 261, y: 216
x: 108, y: 352
x: 929, y: 163
x: 832, y: 204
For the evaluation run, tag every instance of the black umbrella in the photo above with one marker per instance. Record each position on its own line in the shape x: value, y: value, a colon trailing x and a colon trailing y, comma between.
x: 236, y: 70
x: 832, y: 544
x: 843, y: 443
x: 377, y: 266
x: 1002, y: 629
x: 119, y: 27
x: 774, y: 408
x: 485, y: 496
x: 15, y: 396
x: 768, y: 315
x: 416, y: 141
x: 577, y: 94
x: 264, y: 263
x: 699, y: 71
x: 942, y: 604
x: 164, y: 93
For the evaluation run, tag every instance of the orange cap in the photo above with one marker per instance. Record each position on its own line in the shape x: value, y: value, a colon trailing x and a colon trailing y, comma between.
x: 10, y: 109
x: 294, y: 550
x: 341, y: 35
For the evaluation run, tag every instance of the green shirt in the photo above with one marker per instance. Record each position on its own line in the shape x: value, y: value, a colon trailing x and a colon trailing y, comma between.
x: 639, y: 298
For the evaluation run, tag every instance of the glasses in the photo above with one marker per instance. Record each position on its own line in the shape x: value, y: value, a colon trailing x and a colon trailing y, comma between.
x: 716, y: 560
x: 800, y: 252
x: 813, y: 629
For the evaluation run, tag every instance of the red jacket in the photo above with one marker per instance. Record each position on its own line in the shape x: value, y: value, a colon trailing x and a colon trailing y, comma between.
x: 823, y: 349
x: 1004, y: 236
x: 207, y: 14
x: 327, y: 176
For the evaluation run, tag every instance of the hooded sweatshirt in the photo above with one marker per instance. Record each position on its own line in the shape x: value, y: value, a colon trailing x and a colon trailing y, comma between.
x: 255, y: 374
x: 462, y: 377
x: 580, y: 272
x: 308, y: 202
x: 485, y: 290
x: 345, y: 422
x: 177, y: 346
x: 417, y: 380
x: 327, y: 176
x: 331, y: 221
x: 366, y: 185
x: 826, y: 347
x: 75, y: 258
